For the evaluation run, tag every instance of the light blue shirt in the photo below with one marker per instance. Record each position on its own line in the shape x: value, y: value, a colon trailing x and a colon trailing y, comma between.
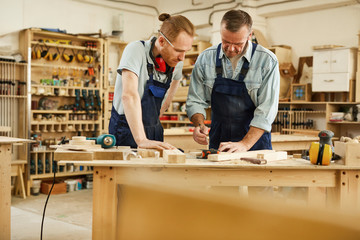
x: 262, y: 82
x: 134, y: 59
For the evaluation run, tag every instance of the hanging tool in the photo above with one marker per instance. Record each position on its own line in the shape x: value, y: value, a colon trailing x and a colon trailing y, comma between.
x: 98, y: 100
x: 105, y: 140
x: 77, y: 100
x: 321, y: 153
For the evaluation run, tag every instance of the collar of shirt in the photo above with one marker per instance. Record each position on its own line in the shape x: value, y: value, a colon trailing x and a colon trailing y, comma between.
x: 247, y: 54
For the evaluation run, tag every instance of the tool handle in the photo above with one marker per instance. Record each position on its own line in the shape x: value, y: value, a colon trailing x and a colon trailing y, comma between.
x: 254, y: 160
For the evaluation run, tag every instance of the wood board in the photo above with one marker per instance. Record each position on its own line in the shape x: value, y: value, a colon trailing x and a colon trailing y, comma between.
x: 264, y: 154
x: 174, y: 156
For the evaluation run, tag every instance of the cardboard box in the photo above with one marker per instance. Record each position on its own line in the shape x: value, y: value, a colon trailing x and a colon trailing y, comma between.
x: 59, y: 187
x: 350, y: 152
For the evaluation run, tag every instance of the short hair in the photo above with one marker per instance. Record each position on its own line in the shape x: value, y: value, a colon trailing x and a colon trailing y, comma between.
x: 173, y: 25
x: 235, y: 19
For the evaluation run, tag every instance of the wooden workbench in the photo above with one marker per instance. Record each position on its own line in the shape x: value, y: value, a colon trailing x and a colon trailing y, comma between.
x: 5, y: 184
x: 334, y: 185
x: 185, y: 141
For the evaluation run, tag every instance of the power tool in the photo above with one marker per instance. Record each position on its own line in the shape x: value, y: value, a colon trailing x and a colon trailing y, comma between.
x: 321, y: 153
x: 105, y: 140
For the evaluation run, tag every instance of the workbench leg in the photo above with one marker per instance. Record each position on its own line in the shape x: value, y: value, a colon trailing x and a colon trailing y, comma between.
x: 5, y: 192
x: 317, y: 196
x: 105, y: 204
x: 349, y: 190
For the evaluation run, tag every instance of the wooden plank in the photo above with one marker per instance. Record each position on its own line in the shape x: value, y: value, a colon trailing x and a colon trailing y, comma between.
x: 61, y: 154
x: 174, y: 156
x: 105, y: 203
x: 273, y: 156
x: 224, y: 156
x: 146, y: 153
x: 108, y: 154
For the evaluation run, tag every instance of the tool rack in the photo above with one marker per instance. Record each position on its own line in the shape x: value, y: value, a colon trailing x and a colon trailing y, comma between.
x: 64, y: 95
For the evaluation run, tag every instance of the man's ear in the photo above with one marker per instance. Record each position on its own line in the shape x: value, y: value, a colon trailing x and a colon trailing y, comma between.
x: 161, y: 40
x: 249, y: 38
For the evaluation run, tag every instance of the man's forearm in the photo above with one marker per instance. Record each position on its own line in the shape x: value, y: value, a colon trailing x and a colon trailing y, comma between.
x: 132, y: 110
x: 252, y: 137
x: 197, y: 119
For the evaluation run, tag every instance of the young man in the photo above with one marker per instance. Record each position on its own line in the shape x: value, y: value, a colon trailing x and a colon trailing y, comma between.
x: 240, y: 80
x: 147, y: 71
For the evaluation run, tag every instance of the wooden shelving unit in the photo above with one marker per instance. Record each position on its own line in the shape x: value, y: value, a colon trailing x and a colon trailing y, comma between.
x: 178, y: 117
x: 13, y: 102
x: 41, y: 166
x: 314, y: 116
x: 113, y: 49
x: 65, y: 95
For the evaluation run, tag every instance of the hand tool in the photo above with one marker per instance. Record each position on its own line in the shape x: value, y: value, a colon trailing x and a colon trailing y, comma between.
x: 98, y: 100
x: 77, y: 100
x: 254, y: 160
x: 105, y: 140
x: 206, y: 152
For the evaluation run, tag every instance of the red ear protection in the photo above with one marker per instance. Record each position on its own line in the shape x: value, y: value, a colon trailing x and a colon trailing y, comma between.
x: 160, y: 64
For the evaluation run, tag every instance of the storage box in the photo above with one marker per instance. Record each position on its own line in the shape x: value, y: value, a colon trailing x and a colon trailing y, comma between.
x: 350, y: 152
x: 59, y: 187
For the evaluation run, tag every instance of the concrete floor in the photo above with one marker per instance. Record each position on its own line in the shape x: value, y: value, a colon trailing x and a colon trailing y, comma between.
x: 68, y: 216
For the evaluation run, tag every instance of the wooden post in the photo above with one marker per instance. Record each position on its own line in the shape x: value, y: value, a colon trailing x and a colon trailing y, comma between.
x: 104, y: 204
x: 5, y: 191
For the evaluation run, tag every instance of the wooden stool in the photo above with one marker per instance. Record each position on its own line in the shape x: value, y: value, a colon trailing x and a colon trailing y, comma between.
x: 17, y: 170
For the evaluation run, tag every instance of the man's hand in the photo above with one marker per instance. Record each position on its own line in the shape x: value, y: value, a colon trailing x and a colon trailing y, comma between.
x: 146, y: 143
x: 232, y: 147
x: 200, y: 134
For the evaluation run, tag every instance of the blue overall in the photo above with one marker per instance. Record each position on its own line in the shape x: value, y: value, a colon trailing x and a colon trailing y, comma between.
x: 154, y: 93
x: 232, y: 109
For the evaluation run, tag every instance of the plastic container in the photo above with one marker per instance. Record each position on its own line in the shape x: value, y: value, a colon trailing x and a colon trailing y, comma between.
x: 35, y: 189
x: 71, y: 185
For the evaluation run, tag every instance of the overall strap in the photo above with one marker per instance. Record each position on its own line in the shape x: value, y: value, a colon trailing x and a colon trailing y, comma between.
x: 245, y: 66
x: 149, y: 66
x: 218, y: 62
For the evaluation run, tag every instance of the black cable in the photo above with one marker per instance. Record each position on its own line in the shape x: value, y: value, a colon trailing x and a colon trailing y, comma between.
x: 47, y: 199
x: 52, y: 186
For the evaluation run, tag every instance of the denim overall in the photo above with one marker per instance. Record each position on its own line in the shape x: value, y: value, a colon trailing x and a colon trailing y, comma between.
x: 154, y: 93
x: 232, y: 109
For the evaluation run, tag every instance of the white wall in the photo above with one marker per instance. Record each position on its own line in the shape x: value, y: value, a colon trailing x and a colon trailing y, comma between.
x: 74, y: 17
x: 301, y: 31
x: 339, y: 26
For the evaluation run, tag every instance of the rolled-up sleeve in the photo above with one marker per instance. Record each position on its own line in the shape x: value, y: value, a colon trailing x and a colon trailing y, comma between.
x: 267, y: 97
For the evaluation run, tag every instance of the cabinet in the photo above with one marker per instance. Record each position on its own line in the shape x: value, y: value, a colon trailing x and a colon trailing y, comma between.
x: 333, y: 69
x: 65, y: 92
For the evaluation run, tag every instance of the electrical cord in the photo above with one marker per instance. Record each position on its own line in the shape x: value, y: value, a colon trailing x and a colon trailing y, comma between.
x: 63, y: 141
x: 47, y: 199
